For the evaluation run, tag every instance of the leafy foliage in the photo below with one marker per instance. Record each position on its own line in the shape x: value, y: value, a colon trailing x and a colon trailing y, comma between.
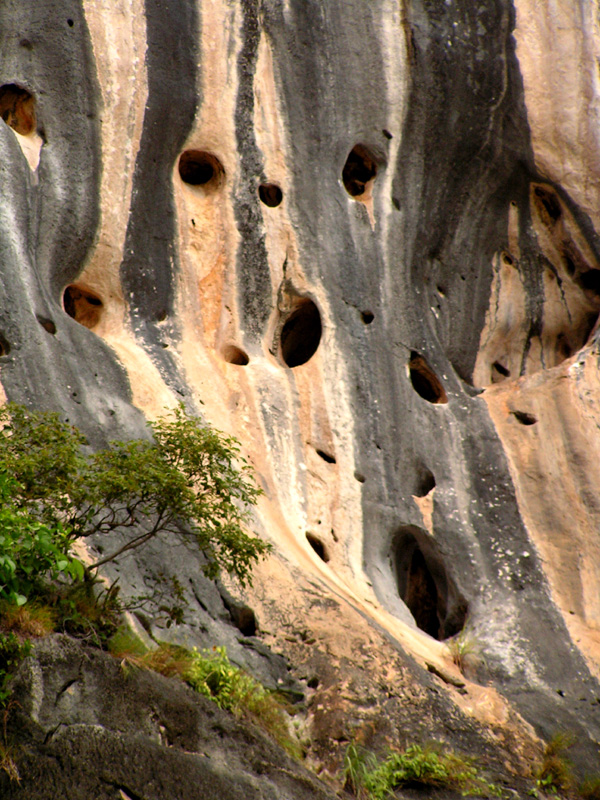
x: 370, y: 779
x: 189, y: 482
x: 213, y: 675
x: 30, y: 550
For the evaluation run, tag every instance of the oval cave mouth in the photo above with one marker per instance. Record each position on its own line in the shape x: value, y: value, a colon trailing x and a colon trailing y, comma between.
x: 200, y: 168
x: 360, y: 170
x: 235, y: 355
x: 301, y: 334
x: 424, y: 380
x: 270, y: 194
x: 17, y: 108
x: 318, y: 546
x: 84, y: 306
x: 425, y: 586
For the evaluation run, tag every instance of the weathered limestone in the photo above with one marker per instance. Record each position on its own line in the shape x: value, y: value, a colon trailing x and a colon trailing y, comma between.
x: 362, y: 237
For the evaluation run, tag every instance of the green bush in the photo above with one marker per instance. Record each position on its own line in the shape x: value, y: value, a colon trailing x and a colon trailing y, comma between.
x: 213, y: 675
x: 370, y: 779
x: 189, y: 482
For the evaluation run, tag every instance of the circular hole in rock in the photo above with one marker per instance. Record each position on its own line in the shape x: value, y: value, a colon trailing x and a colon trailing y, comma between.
x: 46, y: 324
x: 301, y: 334
x: 70, y: 23
x: 200, y: 168
x: 318, y: 546
x: 367, y: 317
x: 83, y: 306
x: 424, y: 380
x: 235, y: 355
x: 17, y: 108
x: 359, y: 170
x: 425, y: 586
x: 270, y: 194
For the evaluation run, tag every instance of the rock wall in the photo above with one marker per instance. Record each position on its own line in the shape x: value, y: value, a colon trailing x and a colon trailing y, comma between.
x: 362, y: 237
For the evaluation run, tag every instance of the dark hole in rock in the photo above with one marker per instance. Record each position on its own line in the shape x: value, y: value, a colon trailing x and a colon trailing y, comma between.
x: 301, y: 334
x: 426, y: 483
x: 524, y: 418
x: 507, y: 259
x: 199, y: 168
x: 549, y: 202
x: 387, y: 134
x: 360, y: 168
x: 570, y: 266
x: 396, y: 203
x: 499, y: 372
x: 326, y: 456
x: 70, y: 23
x: 359, y: 477
x: 318, y: 546
x: 563, y: 347
x: 424, y: 380
x: 425, y: 586
x: 4, y: 346
x: 235, y: 355
x: 367, y: 317
x: 313, y: 682
x: 46, y: 324
x: 270, y: 194
x: 17, y: 108
x: 591, y: 280
x: 84, y: 306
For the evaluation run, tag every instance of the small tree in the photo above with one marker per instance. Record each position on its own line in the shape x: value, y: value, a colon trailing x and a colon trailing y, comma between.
x: 189, y: 482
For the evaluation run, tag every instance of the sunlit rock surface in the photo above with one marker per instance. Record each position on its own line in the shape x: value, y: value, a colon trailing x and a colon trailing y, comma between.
x: 362, y: 237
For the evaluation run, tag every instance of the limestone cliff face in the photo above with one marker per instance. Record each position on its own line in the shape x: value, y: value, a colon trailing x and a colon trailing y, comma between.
x: 362, y: 237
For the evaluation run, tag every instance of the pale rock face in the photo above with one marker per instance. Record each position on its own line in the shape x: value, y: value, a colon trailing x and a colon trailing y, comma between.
x: 361, y: 237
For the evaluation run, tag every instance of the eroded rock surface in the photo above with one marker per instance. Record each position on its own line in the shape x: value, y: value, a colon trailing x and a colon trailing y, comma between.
x: 362, y: 237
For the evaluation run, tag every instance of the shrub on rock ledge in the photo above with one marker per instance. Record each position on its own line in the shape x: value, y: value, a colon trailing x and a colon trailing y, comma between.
x: 189, y: 482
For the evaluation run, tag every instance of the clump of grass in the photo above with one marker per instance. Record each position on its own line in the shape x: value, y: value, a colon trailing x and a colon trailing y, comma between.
x: 555, y: 773
x: 465, y: 650
x: 590, y: 788
x: 32, y: 619
x: 214, y: 676
x: 370, y: 779
x: 210, y: 673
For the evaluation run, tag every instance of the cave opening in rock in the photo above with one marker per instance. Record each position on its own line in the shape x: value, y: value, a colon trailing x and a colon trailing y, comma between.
x: 4, y: 346
x: 301, y: 334
x: 547, y: 202
x: 327, y: 457
x: 17, y: 108
x: 47, y: 324
x: 359, y: 170
x: 270, y: 194
x: 200, y: 168
x: 424, y: 380
x: 524, y: 417
x: 367, y: 317
x: 83, y: 306
x: 318, y: 546
x: 425, y: 586
x: 235, y: 355
x: 425, y: 482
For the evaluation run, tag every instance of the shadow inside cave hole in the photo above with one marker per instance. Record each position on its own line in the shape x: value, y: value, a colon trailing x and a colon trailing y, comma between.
x: 425, y: 586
